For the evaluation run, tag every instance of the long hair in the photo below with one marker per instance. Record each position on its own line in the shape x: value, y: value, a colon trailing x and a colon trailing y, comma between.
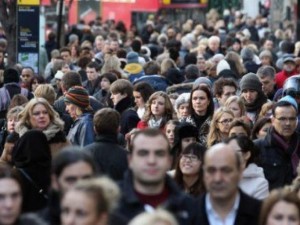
x: 169, y: 110
x: 239, y: 101
x: 214, y: 134
x: 198, y: 187
x: 210, y: 108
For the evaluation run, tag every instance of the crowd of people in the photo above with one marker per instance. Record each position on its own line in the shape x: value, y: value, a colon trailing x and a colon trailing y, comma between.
x: 188, y: 124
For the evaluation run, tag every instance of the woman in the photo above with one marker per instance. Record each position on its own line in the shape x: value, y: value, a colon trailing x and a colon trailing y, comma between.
x: 188, y: 172
x: 220, y: 123
x: 31, y: 157
x: 236, y: 105
x: 201, y: 107
x: 35, y: 81
x: 39, y: 114
x: 159, y: 110
x: 182, y: 106
x: 281, y: 207
x: 261, y: 127
x: 78, y: 106
x: 239, y: 127
x: 89, y: 202
x: 253, y: 181
x: 157, y: 217
x: 141, y: 93
x: 170, y: 131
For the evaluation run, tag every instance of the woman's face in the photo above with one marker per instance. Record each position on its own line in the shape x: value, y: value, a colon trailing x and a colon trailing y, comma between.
x: 105, y: 84
x: 200, y: 102
x: 40, y: 118
x: 158, y: 107
x: 189, y: 164
x: 235, y: 108
x: 138, y: 99
x: 11, y: 122
x: 78, y: 208
x: 263, y: 131
x: 186, y: 141
x: 237, y: 131
x: 224, y: 122
x: 71, y: 109
x: 283, y: 213
x: 170, y: 132
x: 183, y: 110
x: 34, y: 85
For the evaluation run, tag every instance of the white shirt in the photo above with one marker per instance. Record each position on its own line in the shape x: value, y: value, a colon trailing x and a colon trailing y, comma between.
x: 215, y: 219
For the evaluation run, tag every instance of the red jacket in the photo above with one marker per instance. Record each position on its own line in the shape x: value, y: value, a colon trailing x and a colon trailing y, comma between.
x: 142, y: 124
x: 282, y: 76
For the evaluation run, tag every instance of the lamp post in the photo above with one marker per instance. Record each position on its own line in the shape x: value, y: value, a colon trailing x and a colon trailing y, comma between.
x: 59, y: 24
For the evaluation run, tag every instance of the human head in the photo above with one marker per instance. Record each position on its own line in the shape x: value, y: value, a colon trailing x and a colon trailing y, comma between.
x: 12, y: 118
x: 121, y: 89
x: 261, y: 128
x: 208, y: 107
x: 47, y: 92
x: 266, y: 58
x: 70, y: 165
x: 151, y: 68
x: 239, y: 127
x: 192, y: 72
x: 236, y: 105
x: 106, y: 79
x: 214, y: 43
x: 36, y: 108
x: 289, y: 64
x: 170, y: 130
x: 224, y: 88
x: 106, y: 121
x: 11, y: 75
x: 35, y: 81
x: 284, y: 119
x: 182, y: 105
x: 90, y: 202
x: 142, y: 92
x: 158, y: 217
x: 92, y: 71
x: 266, y: 75
x: 281, y: 206
x: 11, y: 195
x: 69, y: 80
x: 251, y: 88
x: 65, y: 53
x: 17, y: 100
x: 26, y: 74
x: 149, y: 160
x: 222, y: 186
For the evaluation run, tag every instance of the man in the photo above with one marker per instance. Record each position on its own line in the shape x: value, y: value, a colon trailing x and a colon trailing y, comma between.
x: 110, y: 157
x: 26, y: 74
x: 252, y: 95
x: 133, y: 68
x: 266, y: 75
x: 288, y: 70
x: 213, y: 47
x: 93, y: 78
x: 68, y: 167
x: 122, y: 97
x: 280, y: 149
x: 223, y: 89
x: 224, y: 203
x: 191, y: 73
x: 146, y: 185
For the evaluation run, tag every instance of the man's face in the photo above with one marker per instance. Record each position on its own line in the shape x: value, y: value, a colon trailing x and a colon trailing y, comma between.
x: 117, y: 97
x: 26, y: 75
x: 268, y: 45
x: 214, y: 45
x: 226, y: 93
x: 221, y: 174
x: 10, y: 201
x: 71, y: 174
x: 267, y: 84
x: 249, y: 95
x: 289, y: 66
x: 91, y: 73
x: 285, y: 121
x: 150, y: 160
x: 66, y: 56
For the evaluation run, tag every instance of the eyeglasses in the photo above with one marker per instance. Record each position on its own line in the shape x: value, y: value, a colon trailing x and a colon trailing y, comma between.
x: 191, y: 158
x: 226, y: 121
x: 286, y: 119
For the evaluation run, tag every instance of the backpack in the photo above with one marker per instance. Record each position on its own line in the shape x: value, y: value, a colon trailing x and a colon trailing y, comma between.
x: 5, y: 97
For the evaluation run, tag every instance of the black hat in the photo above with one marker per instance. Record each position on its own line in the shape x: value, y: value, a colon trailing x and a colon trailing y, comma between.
x: 11, y: 75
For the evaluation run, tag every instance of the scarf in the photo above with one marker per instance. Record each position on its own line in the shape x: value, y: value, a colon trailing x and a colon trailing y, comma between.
x: 154, y: 123
x: 291, y: 149
x: 256, y: 106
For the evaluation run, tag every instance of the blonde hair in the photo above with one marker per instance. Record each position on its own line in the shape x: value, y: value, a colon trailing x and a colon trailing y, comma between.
x: 239, y: 101
x: 45, y: 91
x: 167, y: 64
x: 158, y: 216
x: 26, y: 113
x: 214, y: 134
x: 234, y: 57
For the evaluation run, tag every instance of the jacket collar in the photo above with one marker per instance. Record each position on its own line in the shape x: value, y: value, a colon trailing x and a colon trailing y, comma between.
x: 107, y: 138
x: 123, y: 104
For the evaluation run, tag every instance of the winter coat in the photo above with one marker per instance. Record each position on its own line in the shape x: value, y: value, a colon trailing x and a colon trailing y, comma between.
x: 110, y: 158
x: 82, y: 131
x: 282, y: 76
x: 159, y: 83
x: 254, y: 182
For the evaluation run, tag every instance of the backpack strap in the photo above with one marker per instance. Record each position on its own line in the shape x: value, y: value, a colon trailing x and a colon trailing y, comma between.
x: 4, y: 99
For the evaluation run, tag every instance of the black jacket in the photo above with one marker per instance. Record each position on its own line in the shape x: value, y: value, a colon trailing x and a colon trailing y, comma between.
x: 247, y: 214
x: 179, y: 204
x: 110, y: 158
x: 276, y: 163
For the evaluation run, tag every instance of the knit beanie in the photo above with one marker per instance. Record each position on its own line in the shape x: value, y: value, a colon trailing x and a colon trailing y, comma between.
x: 250, y: 82
x: 78, y: 96
x: 132, y: 57
x: 11, y: 75
x: 290, y: 100
x: 202, y: 80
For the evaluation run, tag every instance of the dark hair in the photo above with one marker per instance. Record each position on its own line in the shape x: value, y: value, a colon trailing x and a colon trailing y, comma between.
x: 220, y: 83
x: 282, y: 104
x: 107, y: 121
x: 38, y: 78
x: 149, y: 132
x: 258, y: 125
x: 151, y: 68
x: 94, y: 65
x: 65, y: 49
x: 83, y: 61
x: 109, y: 76
x: 210, y: 108
x: 6, y: 171
x: 266, y: 71
x: 198, y: 187
x: 145, y: 89
x: 240, y: 123
x: 71, y: 79
x: 246, y: 145
x: 136, y: 45
x: 192, y: 72
x: 68, y: 156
